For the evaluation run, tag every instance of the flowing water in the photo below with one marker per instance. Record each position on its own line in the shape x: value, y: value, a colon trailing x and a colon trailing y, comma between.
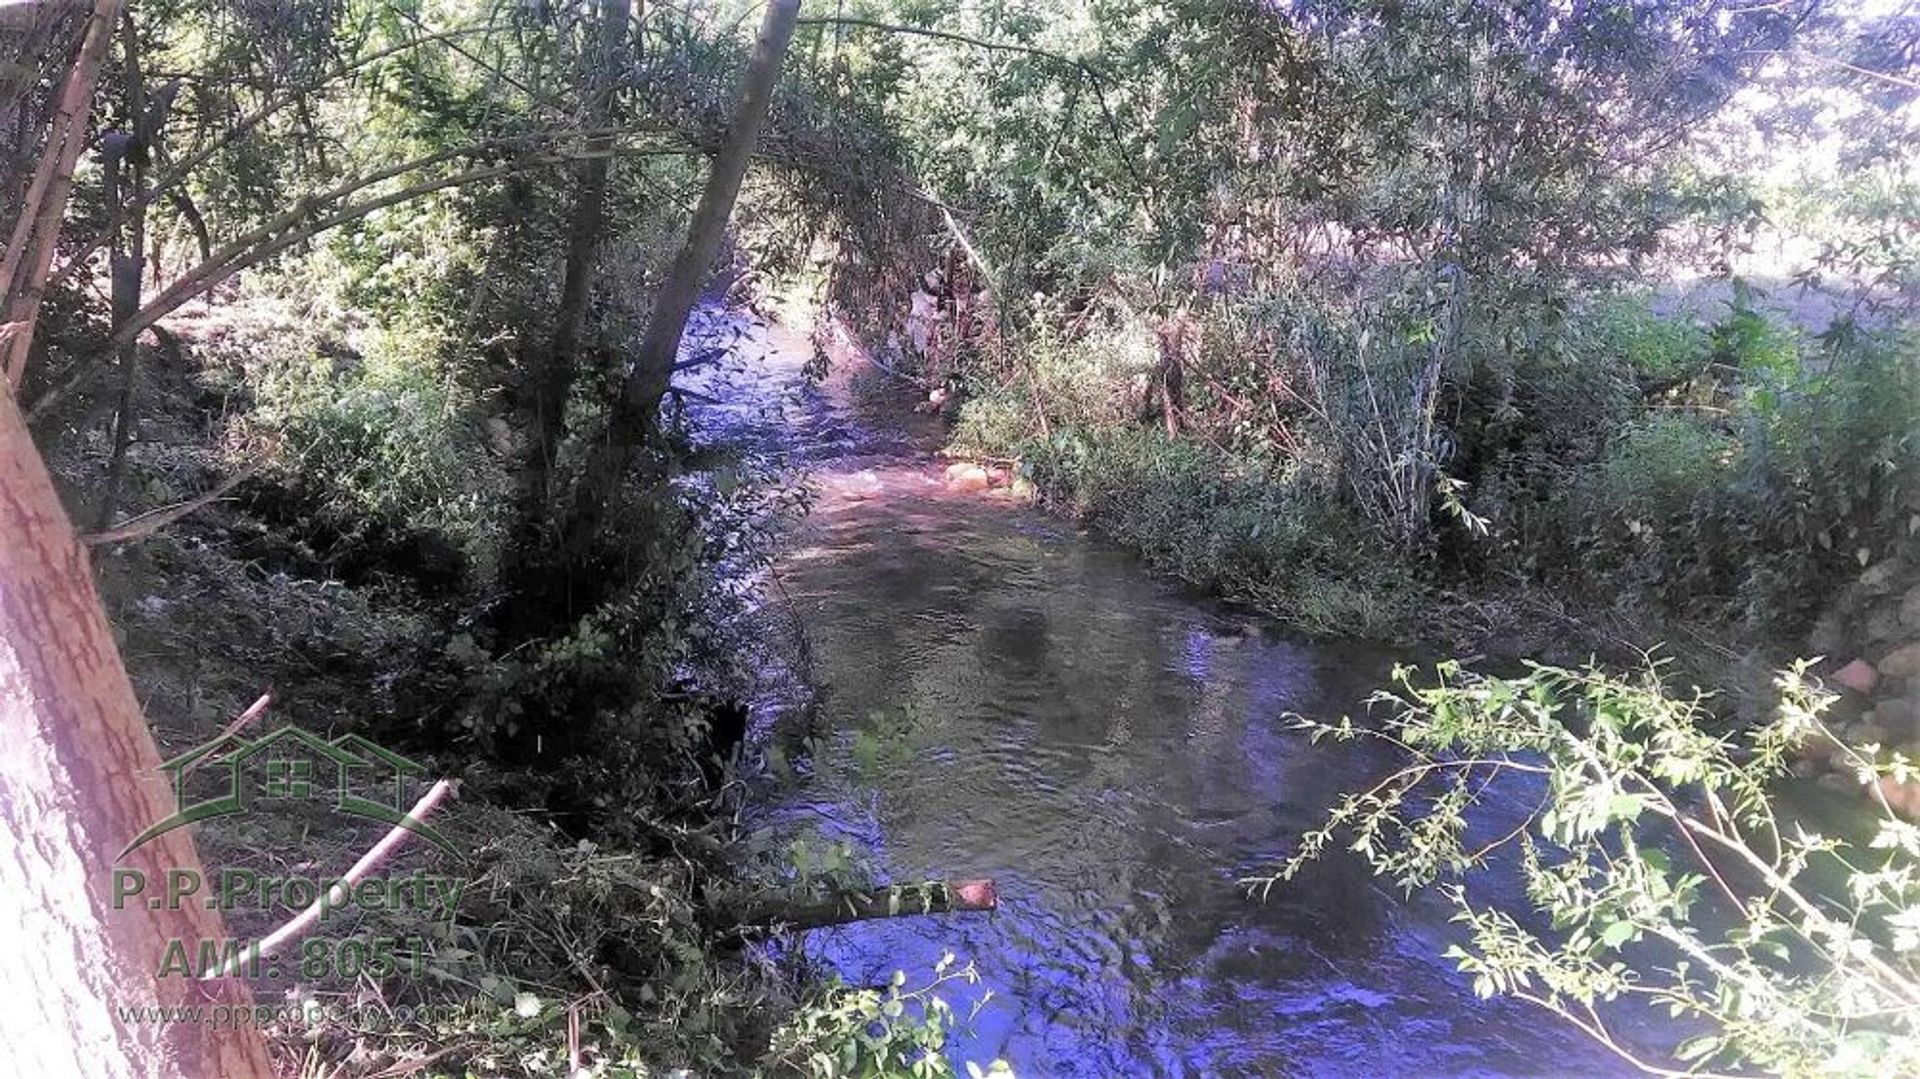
x: 997, y: 693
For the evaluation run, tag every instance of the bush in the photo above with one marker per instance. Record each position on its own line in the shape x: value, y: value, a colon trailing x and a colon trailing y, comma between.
x: 1762, y: 514
x: 1221, y: 525
x: 1794, y: 952
x: 852, y: 1031
x: 1747, y: 341
x: 387, y: 434
x: 1659, y: 467
x: 1654, y: 347
x: 1739, y: 475
x: 996, y: 424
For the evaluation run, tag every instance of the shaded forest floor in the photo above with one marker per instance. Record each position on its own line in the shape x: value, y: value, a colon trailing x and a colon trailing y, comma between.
x: 562, y: 944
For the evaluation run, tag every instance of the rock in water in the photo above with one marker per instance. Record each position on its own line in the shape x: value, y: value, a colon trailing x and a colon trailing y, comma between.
x: 1902, y: 662
x: 1858, y: 676
x: 968, y: 478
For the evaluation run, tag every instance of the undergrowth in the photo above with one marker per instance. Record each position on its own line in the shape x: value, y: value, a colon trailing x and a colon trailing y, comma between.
x: 1224, y: 526
x: 1728, y: 472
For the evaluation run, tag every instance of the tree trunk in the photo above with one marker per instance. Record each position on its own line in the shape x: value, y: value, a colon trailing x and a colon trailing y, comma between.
x: 553, y: 383
x: 636, y: 412
x: 79, y: 778
x: 128, y: 263
x: 653, y: 364
x: 29, y: 254
x: 1170, y: 379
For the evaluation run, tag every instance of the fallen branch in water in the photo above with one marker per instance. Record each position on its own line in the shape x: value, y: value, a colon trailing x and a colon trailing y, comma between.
x: 892, y: 901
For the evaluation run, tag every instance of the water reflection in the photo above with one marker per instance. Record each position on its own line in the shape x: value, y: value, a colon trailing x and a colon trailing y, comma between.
x: 1113, y: 751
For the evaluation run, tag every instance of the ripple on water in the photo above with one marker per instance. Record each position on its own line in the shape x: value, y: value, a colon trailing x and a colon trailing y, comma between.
x: 1114, y: 752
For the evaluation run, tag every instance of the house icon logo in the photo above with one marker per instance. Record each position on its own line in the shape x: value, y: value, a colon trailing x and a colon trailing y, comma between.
x: 355, y: 776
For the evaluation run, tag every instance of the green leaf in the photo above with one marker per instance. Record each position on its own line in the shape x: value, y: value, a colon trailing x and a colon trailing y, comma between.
x: 1698, y: 1048
x: 1617, y: 934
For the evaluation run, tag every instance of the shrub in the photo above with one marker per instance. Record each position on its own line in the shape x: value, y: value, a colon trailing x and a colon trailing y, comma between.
x: 1747, y: 341
x: 1222, y: 525
x: 995, y: 424
x: 852, y: 1031
x: 1828, y: 478
x: 1655, y: 347
x: 387, y: 434
x: 1751, y: 498
x: 1659, y: 467
x: 1660, y: 859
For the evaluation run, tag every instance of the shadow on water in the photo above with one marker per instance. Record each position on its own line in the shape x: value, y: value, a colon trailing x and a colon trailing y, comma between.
x: 1113, y: 750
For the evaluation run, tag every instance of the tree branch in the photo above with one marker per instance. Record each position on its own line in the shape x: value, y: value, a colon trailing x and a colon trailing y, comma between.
x: 893, y: 901
x: 170, y: 179
x: 153, y: 521
x: 296, y: 226
x: 340, y: 890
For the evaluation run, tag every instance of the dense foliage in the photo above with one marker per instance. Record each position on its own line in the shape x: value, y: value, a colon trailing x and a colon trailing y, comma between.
x: 1335, y: 307
x: 1392, y: 257
x: 1662, y: 869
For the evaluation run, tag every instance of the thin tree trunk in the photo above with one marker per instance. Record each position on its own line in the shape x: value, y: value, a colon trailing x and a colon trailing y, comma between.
x: 1171, y: 378
x: 653, y: 364
x: 128, y: 265
x: 183, y: 205
x: 553, y: 383
x: 636, y: 411
x: 29, y: 254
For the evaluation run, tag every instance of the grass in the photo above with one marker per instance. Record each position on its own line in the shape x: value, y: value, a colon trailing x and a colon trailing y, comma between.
x: 1227, y: 527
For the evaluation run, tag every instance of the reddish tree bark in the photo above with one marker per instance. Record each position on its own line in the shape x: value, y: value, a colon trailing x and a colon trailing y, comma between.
x: 79, y: 772
x: 79, y: 777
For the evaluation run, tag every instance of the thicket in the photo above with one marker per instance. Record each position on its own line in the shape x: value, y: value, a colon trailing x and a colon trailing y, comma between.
x: 1398, y: 262
x: 386, y: 279
x: 1742, y: 481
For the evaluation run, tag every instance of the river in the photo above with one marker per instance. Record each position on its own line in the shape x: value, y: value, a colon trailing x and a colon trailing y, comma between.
x: 995, y: 692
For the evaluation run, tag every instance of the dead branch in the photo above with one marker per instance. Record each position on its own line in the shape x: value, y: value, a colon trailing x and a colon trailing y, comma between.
x: 254, y: 711
x: 341, y: 889
x: 893, y: 901
x: 153, y: 521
